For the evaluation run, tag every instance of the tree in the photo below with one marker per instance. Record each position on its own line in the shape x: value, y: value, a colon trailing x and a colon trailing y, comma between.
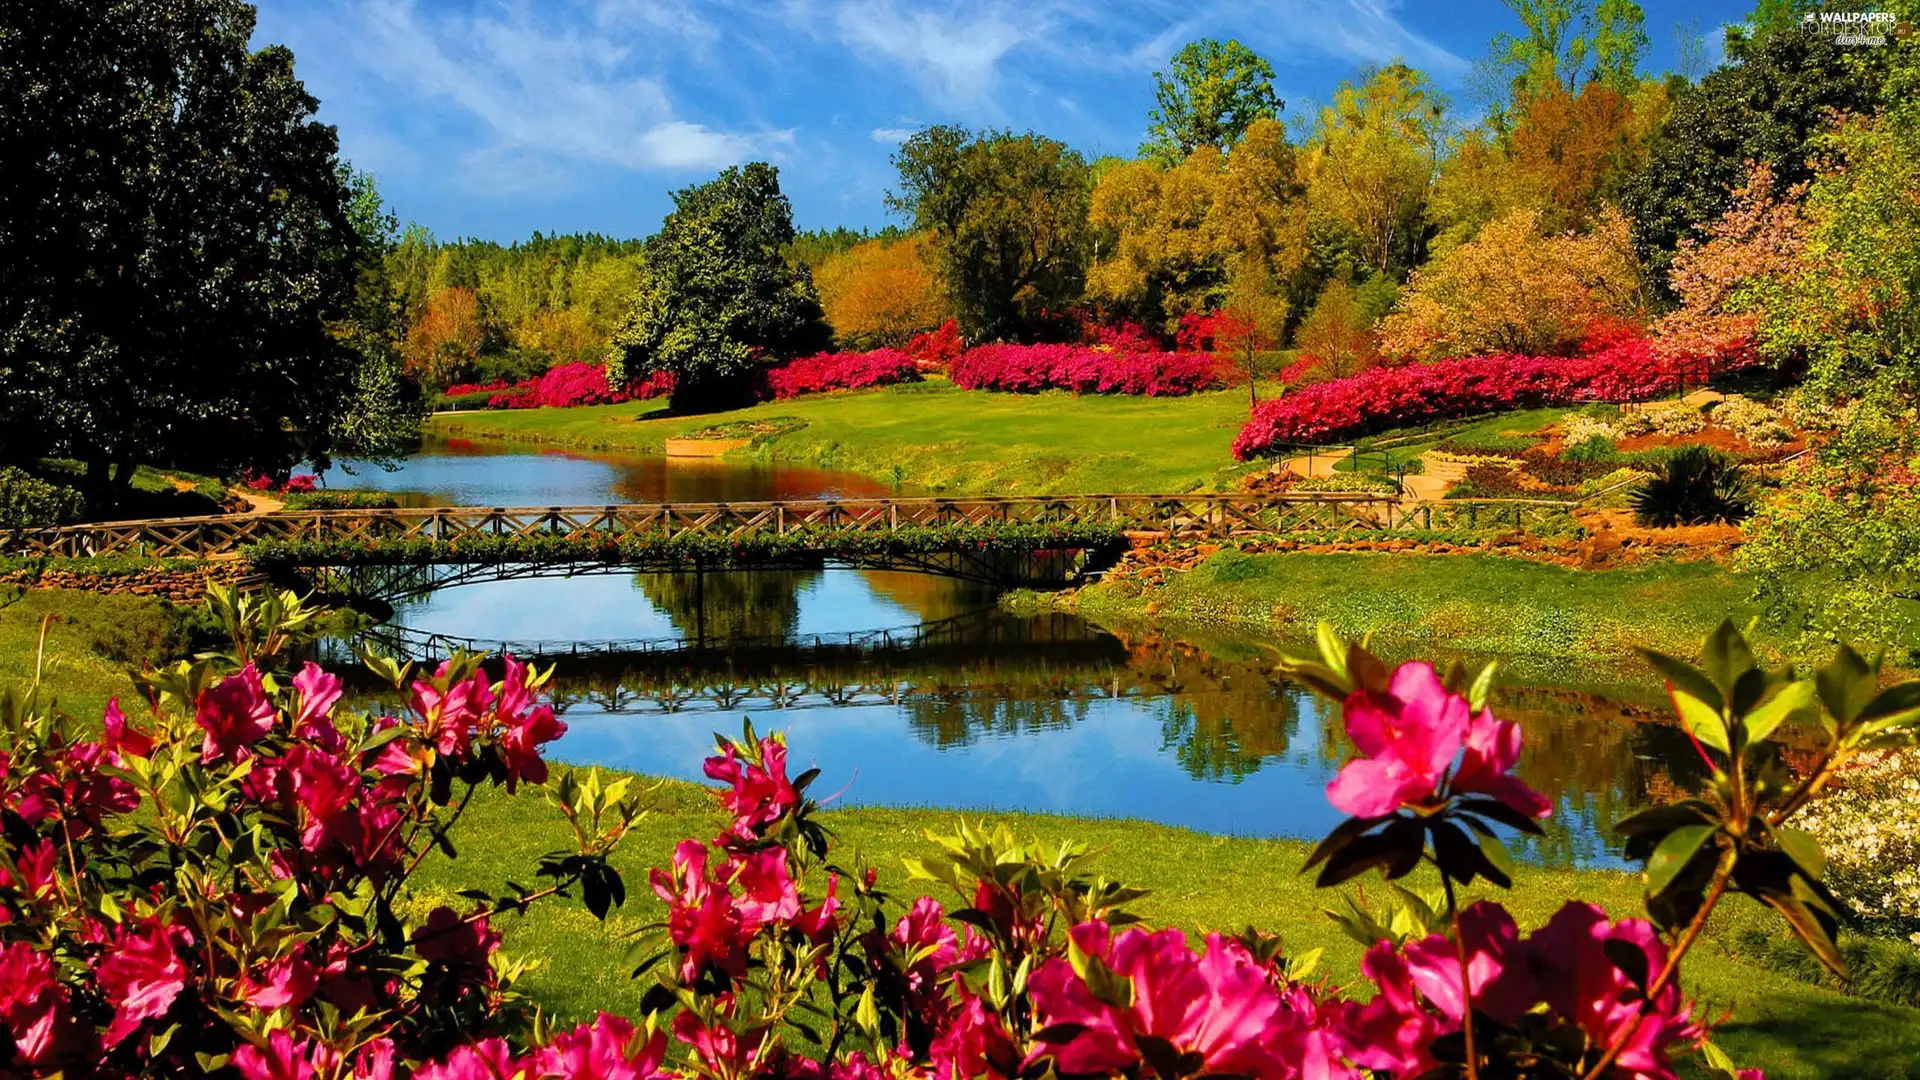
x: 1513, y: 289
x: 1209, y: 95
x: 1723, y: 280
x: 445, y: 341
x: 1560, y: 38
x: 717, y: 300
x: 1008, y: 216
x: 384, y: 409
x: 176, y: 240
x: 1371, y: 161
x: 1337, y: 331
x: 1765, y: 108
x: 880, y: 292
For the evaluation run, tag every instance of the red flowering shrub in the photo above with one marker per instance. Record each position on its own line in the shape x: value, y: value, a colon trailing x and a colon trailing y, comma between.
x: 297, y: 483
x: 841, y: 371
x: 568, y: 385
x: 1123, y: 336
x: 1625, y: 369
x: 935, y: 349
x: 1026, y: 369
x: 464, y: 389
x: 213, y: 890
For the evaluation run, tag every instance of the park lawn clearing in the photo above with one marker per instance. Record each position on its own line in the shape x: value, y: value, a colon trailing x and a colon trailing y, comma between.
x: 936, y: 437
x: 1198, y: 882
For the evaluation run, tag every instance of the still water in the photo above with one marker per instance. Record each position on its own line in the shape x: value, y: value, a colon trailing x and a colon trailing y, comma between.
x: 959, y: 705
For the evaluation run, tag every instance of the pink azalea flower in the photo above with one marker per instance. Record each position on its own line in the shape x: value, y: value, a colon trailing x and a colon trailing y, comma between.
x: 488, y: 1059
x: 1392, y: 1031
x: 759, y: 794
x: 603, y: 1050
x: 32, y: 1004
x: 448, y: 720
x: 701, y: 917
x: 39, y: 869
x: 460, y: 945
x: 318, y: 691
x: 721, y: 1049
x: 766, y: 886
x: 819, y: 924
x: 290, y: 980
x: 520, y: 744
x: 1407, y: 736
x: 971, y: 1043
x: 1492, y: 749
x: 121, y: 737
x: 234, y: 714
x: 140, y: 975
x: 1581, y: 983
x: 1217, y: 1005
x: 1502, y: 987
x: 924, y: 926
x: 285, y: 1058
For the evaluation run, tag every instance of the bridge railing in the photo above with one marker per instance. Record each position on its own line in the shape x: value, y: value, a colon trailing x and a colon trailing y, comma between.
x: 1216, y: 516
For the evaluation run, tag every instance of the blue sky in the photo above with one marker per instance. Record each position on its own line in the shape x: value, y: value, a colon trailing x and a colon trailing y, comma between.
x: 499, y: 117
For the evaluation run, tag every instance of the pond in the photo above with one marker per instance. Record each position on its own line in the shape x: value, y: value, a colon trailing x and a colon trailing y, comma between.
x: 957, y: 705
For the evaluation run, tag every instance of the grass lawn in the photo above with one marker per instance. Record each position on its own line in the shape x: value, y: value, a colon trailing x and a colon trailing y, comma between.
x: 1790, y: 1028
x: 1463, y: 603
x: 937, y: 437
x: 85, y: 629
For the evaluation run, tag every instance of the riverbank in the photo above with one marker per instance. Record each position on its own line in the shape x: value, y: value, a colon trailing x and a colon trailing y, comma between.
x: 931, y: 436
x: 1790, y: 1028
x: 1465, y: 603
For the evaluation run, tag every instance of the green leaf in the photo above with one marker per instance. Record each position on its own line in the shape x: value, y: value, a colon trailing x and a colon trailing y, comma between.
x: 1794, y: 700
x: 1812, y: 923
x: 1673, y: 854
x: 1896, y: 705
x: 1803, y: 849
x: 1702, y: 720
x: 1482, y: 687
x: 1301, y: 968
x: 1847, y: 685
x: 1726, y: 656
x: 1687, y: 677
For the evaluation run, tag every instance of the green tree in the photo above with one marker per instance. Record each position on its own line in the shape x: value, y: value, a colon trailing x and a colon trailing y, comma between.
x: 384, y: 408
x: 1371, y: 162
x: 1009, y: 217
x: 1208, y: 96
x: 176, y: 240
x: 1565, y: 43
x: 1765, y: 109
x: 716, y: 298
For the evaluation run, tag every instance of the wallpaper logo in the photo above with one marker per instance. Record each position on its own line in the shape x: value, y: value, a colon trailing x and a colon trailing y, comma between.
x: 1852, y: 27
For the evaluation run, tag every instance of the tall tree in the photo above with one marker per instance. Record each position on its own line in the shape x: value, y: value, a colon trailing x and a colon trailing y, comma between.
x: 1371, y: 161
x: 1565, y: 43
x: 175, y: 239
x: 1008, y: 214
x: 717, y: 300
x: 384, y: 411
x: 1208, y: 96
x: 880, y: 292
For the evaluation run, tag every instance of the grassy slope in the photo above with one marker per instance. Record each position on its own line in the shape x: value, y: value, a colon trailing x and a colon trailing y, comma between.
x: 75, y: 671
x: 934, y: 436
x: 1198, y: 881
x: 1465, y: 603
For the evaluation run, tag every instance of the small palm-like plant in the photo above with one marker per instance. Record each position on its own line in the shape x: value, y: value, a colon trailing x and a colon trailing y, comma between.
x: 1694, y: 486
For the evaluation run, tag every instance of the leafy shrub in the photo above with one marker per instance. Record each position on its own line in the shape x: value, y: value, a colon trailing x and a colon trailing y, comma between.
x: 936, y: 349
x: 1669, y: 418
x: 28, y: 502
x: 343, y: 500
x: 1870, y: 829
x: 214, y: 887
x: 1594, y: 448
x: 842, y: 371
x: 1028, y: 369
x: 1694, y: 486
x: 298, y: 483
x: 1753, y: 421
x: 570, y: 385
x: 1492, y: 482
x: 1349, y: 481
x: 1388, y: 397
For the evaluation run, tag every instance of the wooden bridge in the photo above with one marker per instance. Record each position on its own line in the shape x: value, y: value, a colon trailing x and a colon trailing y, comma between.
x: 342, y: 532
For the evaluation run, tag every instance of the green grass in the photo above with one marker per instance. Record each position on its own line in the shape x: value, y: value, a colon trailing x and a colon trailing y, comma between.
x: 90, y: 644
x: 934, y: 436
x: 154, y: 492
x: 1791, y: 1028
x: 1463, y: 603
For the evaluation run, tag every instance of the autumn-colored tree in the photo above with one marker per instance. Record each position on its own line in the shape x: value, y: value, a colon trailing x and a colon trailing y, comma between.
x: 1722, y: 282
x: 565, y: 336
x: 1513, y: 288
x: 1173, y: 240
x: 446, y: 338
x: 1371, y: 161
x: 1571, y: 149
x: 1337, y: 332
x: 880, y: 293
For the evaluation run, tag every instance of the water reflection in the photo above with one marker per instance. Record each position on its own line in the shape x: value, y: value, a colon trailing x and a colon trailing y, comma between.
x: 981, y: 711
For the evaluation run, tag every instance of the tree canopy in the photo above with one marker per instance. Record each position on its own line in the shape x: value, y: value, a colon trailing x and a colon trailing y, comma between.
x: 1211, y: 92
x: 1008, y: 214
x: 176, y: 237
x: 716, y: 298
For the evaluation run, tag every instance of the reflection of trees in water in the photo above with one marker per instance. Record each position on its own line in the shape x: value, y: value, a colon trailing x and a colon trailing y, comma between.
x: 1230, y: 733
x: 947, y: 722
x: 761, y: 605
x: 928, y: 597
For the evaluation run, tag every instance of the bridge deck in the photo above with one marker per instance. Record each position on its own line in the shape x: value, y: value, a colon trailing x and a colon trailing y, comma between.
x: 1200, y: 516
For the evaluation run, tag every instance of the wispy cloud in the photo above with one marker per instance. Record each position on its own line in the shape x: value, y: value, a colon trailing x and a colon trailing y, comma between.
x: 953, y: 54
x: 536, y: 86
x: 892, y: 136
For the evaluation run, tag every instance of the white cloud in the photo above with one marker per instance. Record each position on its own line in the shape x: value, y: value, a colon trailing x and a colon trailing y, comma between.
x: 953, y: 54
x: 892, y: 136
x: 575, y: 92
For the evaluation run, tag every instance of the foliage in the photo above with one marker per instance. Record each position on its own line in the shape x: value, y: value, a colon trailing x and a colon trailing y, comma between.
x: 936, y: 349
x: 1512, y: 289
x: 1754, y: 421
x: 1008, y: 218
x: 385, y: 409
x: 1371, y: 160
x: 1209, y: 95
x: 446, y: 340
x: 1387, y: 397
x: 1574, y: 151
x: 28, y: 502
x: 842, y: 371
x: 1869, y: 827
x: 227, y: 886
x: 342, y: 500
x: 1027, y: 369
x: 655, y: 548
x: 1553, y: 56
x: 1764, y: 107
x: 1336, y: 333
x: 716, y: 298
x: 1723, y: 281
x: 1695, y: 485
x: 880, y: 293
x: 175, y: 242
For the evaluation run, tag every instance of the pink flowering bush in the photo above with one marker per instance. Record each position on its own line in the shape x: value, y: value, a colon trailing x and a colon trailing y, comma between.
x: 1027, y: 369
x: 567, y: 385
x: 213, y: 888
x: 841, y: 371
x: 294, y: 484
x: 1618, y: 368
